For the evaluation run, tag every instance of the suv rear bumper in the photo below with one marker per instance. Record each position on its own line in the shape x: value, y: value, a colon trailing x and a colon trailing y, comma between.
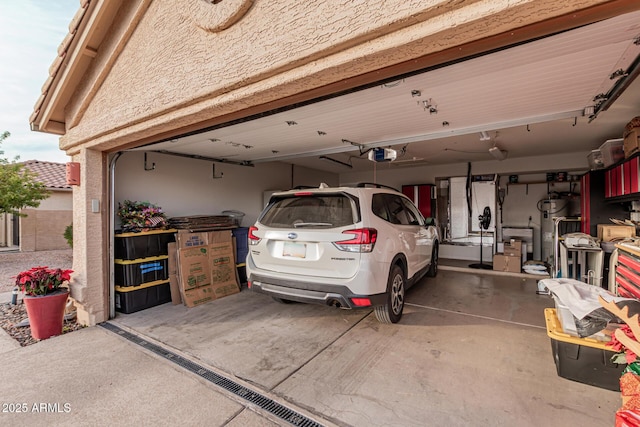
x: 312, y: 293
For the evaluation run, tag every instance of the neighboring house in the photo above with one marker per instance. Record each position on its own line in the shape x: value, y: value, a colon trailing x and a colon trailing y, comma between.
x: 41, y: 228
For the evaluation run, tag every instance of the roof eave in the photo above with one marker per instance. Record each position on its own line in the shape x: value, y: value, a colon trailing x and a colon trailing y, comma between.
x: 83, y: 40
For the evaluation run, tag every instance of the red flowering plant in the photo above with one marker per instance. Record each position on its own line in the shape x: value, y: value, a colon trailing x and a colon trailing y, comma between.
x: 42, y: 280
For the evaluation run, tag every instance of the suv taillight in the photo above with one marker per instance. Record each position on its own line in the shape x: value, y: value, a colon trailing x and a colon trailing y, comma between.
x: 253, y: 239
x: 364, y: 239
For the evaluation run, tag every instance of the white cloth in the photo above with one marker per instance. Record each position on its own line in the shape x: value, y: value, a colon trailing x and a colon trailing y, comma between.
x: 579, y: 297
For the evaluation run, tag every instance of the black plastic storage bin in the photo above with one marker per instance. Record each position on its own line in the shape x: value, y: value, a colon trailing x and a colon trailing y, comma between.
x: 242, y: 273
x: 585, y: 360
x: 141, y: 271
x: 129, y: 300
x: 130, y: 246
x: 242, y: 243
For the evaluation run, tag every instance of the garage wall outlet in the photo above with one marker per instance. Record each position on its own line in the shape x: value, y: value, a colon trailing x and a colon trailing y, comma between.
x: 95, y: 205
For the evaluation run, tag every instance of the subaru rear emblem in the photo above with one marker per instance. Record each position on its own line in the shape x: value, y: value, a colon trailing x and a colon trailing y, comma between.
x: 292, y: 236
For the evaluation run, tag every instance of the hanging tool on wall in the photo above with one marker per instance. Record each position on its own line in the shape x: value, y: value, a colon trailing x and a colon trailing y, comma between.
x: 469, y: 188
x: 501, y: 194
x: 147, y: 168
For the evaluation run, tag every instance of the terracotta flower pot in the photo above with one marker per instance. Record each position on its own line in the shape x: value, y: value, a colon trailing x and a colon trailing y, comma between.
x: 46, y: 313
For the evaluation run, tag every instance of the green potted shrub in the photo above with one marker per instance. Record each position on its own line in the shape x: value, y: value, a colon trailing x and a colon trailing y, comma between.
x: 68, y: 235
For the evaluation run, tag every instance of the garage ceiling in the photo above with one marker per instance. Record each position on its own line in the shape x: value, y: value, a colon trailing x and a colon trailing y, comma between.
x: 529, y: 99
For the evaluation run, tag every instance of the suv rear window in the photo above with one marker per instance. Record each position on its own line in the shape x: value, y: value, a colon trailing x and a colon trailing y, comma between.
x: 311, y: 211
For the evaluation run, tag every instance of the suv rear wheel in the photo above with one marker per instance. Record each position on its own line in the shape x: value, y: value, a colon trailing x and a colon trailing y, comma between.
x: 433, y: 268
x: 391, y: 311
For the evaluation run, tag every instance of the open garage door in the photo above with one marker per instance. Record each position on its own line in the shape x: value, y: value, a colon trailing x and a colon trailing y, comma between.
x: 548, y: 96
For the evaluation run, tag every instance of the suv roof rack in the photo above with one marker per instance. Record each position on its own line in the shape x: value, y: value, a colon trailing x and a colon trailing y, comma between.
x: 373, y: 184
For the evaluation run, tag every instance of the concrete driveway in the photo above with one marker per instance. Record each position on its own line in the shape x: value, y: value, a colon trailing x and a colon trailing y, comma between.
x: 470, y: 350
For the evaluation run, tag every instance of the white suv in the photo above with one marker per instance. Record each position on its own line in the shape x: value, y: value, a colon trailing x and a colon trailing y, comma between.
x: 345, y: 247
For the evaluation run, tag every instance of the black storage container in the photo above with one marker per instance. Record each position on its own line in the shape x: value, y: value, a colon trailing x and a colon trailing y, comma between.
x: 585, y: 360
x: 141, y: 271
x: 242, y: 273
x: 130, y: 246
x: 130, y: 300
x: 242, y: 243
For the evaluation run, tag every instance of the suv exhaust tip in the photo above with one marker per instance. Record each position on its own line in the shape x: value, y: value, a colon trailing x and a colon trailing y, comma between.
x: 335, y: 303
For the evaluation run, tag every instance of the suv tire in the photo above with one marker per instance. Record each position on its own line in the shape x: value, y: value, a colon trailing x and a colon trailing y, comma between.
x: 391, y: 311
x: 433, y: 268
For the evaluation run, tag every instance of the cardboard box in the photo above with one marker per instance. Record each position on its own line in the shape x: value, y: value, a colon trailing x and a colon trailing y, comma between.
x: 607, y: 232
x: 513, y: 248
x: 187, y: 239
x: 502, y: 262
x: 524, y: 249
x: 632, y: 143
x: 206, y: 272
x: 198, y: 296
x: 172, y: 249
x: 174, y: 280
x: 222, y: 263
x: 194, y: 268
x: 174, y: 287
x: 224, y: 290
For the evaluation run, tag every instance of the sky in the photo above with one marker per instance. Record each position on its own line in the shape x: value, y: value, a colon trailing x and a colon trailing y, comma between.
x: 30, y: 33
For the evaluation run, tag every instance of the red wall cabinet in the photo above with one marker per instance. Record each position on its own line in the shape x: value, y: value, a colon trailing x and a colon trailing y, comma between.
x: 623, y: 179
x: 422, y: 196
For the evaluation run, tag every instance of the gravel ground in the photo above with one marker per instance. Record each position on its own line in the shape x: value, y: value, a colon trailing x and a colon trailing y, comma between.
x: 12, y: 315
x: 12, y: 263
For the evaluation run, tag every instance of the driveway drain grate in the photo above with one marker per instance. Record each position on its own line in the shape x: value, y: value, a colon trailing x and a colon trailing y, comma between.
x: 269, y: 405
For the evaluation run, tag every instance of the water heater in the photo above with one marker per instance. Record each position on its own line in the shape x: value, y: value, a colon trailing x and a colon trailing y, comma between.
x: 549, y: 209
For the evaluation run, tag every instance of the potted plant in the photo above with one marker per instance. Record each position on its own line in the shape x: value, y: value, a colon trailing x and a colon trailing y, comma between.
x: 140, y: 216
x: 45, y: 299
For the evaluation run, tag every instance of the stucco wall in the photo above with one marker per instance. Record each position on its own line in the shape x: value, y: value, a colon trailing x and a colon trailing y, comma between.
x: 173, y: 73
x: 58, y: 201
x: 43, y: 230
